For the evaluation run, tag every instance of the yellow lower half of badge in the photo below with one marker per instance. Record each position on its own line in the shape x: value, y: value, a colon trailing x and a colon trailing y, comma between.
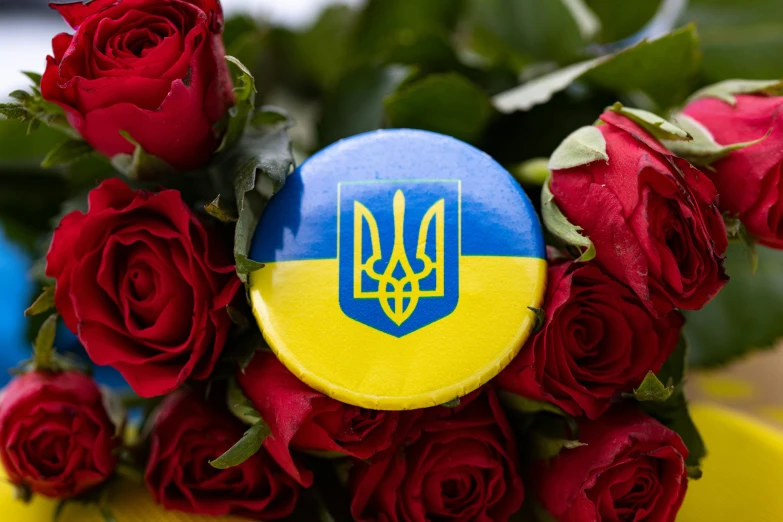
x: 297, y: 306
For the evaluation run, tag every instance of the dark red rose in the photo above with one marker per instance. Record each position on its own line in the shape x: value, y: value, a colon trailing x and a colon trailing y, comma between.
x: 458, y: 464
x: 303, y: 419
x: 598, y: 340
x: 748, y: 180
x: 651, y: 216
x: 631, y: 468
x: 186, y: 436
x: 144, y: 284
x: 154, y: 69
x: 55, y: 435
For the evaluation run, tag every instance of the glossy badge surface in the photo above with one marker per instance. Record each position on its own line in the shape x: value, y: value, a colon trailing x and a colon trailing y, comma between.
x: 400, y: 266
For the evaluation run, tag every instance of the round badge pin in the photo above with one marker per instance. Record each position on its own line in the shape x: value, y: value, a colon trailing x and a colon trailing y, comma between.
x: 400, y: 265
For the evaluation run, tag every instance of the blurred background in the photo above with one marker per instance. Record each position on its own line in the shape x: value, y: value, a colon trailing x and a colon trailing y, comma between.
x: 352, y: 66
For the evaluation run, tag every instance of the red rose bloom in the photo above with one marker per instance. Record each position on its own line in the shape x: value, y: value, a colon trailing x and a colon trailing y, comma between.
x: 749, y: 180
x: 55, y: 435
x: 631, y: 468
x: 456, y: 464
x: 651, y: 216
x: 598, y: 340
x: 155, y: 69
x: 186, y: 436
x: 303, y: 419
x: 144, y: 284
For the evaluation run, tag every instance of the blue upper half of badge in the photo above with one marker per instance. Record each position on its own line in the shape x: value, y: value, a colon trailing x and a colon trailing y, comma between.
x: 427, y: 179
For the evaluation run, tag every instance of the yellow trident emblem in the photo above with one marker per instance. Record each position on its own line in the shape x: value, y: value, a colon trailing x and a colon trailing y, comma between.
x: 392, y: 291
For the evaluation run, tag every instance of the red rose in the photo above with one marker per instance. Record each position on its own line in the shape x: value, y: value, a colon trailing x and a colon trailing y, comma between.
x: 55, y: 435
x: 456, y: 464
x: 598, y: 340
x: 651, y: 216
x: 749, y: 180
x: 631, y: 468
x: 186, y: 436
x: 303, y: 419
x: 144, y: 284
x: 153, y: 69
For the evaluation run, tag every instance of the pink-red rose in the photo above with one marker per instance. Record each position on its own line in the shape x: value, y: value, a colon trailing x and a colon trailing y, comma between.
x: 652, y: 218
x: 630, y: 468
x: 598, y: 340
x: 749, y: 180
x: 458, y: 464
x: 154, y: 69
x: 186, y: 436
x: 56, y: 437
x: 305, y: 420
x: 144, y: 284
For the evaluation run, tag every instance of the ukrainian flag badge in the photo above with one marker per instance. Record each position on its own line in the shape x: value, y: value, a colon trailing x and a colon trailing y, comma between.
x: 400, y: 266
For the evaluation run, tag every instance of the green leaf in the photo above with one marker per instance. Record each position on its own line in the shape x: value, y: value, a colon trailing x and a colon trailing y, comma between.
x: 445, y: 103
x: 674, y: 415
x: 115, y: 409
x: 247, y: 446
x: 240, y: 405
x: 259, y: 165
x: 67, y: 152
x: 383, y: 25
x: 660, y: 128
x: 673, y: 370
x: 247, y: 266
x: 43, y: 303
x: 34, y: 77
x: 355, y: 105
x: 702, y: 150
x: 621, y: 18
x: 220, y: 211
x: 739, y: 38
x: 531, y: 173
x: 744, y: 316
x: 540, y: 319
x: 543, y: 30
x: 581, y: 147
x: 663, y: 69
x: 546, y: 448
x: 245, y: 94
x: 324, y: 49
x: 523, y: 405
x: 13, y: 111
x: 728, y: 89
x: 269, y: 115
x: 43, y: 346
x: 454, y: 403
x: 561, y: 228
x: 652, y: 389
x: 140, y: 166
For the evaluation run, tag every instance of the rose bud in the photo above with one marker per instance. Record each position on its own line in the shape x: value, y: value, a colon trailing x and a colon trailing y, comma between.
x: 458, y: 464
x: 303, y: 419
x: 630, y: 467
x: 651, y: 216
x: 749, y: 179
x: 144, y: 284
x: 187, y: 434
x: 598, y: 340
x: 56, y: 437
x: 153, y: 69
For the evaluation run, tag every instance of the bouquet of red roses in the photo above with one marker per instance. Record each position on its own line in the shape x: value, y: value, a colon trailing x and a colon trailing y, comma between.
x: 169, y: 161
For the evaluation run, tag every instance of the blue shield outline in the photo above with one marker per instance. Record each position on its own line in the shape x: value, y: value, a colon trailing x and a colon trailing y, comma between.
x: 394, y: 218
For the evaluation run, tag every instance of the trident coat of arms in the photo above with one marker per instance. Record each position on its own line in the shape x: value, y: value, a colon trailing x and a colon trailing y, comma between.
x: 399, y: 253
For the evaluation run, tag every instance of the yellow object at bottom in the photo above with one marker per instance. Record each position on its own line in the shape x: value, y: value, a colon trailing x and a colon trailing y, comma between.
x: 297, y: 306
x: 743, y: 470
